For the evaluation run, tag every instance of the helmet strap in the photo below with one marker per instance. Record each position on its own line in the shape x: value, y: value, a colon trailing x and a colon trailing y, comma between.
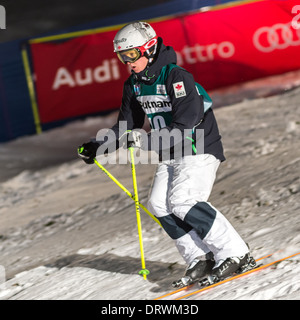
x: 150, y: 54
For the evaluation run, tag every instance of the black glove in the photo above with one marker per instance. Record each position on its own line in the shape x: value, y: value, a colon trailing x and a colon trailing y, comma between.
x: 87, y: 152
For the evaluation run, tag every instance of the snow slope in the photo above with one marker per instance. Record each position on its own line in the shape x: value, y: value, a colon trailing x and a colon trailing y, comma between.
x: 67, y: 232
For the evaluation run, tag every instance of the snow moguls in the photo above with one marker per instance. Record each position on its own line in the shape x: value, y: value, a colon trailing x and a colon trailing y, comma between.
x: 68, y: 232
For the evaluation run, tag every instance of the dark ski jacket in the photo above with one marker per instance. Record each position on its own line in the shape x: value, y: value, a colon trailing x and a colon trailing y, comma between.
x: 187, y: 111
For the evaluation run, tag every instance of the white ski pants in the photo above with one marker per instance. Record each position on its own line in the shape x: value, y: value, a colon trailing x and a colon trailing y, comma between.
x: 178, y: 199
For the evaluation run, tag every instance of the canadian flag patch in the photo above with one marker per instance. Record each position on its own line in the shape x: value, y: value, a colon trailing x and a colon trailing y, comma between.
x: 179, y: 89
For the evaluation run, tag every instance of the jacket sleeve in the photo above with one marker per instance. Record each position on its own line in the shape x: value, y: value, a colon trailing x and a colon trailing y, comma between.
x: 130, y: 111
x: 187, y: 104
x: 131, y: 116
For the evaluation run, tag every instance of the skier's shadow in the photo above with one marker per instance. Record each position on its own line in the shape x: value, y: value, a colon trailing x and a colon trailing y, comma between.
x: 161, y: 273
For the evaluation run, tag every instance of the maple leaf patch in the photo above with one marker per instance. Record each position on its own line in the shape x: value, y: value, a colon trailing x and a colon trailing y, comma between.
x: 179, y: 89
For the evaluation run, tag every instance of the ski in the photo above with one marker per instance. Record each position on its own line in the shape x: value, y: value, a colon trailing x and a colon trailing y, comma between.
x: 177, y: 294
x: 188, y: 287
x: 236, y: 276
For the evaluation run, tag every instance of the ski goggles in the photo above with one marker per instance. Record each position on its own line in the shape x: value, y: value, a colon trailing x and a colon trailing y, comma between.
x: 132, y: 55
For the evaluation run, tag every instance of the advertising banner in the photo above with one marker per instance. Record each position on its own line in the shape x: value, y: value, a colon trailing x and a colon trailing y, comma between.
x: 219, y: 47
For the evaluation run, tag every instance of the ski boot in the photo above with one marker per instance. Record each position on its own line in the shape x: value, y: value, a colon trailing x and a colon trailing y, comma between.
x: 197, y: 270
x: 228, y: 267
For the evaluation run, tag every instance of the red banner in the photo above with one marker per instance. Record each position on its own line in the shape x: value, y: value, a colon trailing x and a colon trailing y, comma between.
x: 219, y: 47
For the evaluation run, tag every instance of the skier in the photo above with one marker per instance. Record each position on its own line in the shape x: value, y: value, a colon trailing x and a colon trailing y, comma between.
x: 171, y: 99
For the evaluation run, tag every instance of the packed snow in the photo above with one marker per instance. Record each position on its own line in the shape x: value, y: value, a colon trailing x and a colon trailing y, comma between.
x: 68, y: 232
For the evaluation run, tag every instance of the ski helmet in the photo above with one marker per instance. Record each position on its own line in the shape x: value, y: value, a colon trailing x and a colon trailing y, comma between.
x: 135, y: 40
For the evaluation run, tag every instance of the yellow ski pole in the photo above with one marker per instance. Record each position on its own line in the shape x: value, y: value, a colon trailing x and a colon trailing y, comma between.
x: 125, y: 190
x: 144, y: 272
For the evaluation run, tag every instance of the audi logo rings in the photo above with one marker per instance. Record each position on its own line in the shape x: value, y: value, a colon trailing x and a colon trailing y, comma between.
x: 278, y: 36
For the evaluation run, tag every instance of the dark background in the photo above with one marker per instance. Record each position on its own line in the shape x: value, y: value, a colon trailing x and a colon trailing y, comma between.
x: 25, y: 19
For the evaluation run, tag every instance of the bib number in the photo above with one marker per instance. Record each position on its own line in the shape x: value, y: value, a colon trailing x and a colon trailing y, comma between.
x: 158, y: 122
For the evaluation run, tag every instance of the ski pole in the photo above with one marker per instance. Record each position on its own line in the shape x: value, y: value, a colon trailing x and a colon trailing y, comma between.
x: 125, y: 190
x: 144, y: 272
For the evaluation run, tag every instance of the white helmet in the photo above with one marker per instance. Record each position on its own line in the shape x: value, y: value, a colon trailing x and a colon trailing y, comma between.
x: 137, y: 35
x: 133, y: 35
